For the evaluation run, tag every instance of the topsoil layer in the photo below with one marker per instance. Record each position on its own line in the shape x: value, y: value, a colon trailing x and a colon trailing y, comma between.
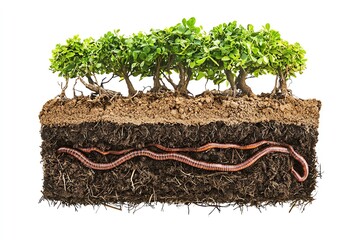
x: 169, y: 108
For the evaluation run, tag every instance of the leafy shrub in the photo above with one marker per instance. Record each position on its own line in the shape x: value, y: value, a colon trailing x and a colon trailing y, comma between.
x: 229, y: 52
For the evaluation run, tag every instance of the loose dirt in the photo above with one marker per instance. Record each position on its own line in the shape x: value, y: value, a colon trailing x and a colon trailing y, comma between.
x: 170, y: 108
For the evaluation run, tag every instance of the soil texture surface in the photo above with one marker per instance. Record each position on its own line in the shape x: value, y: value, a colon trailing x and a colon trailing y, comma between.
x: 170, y: 108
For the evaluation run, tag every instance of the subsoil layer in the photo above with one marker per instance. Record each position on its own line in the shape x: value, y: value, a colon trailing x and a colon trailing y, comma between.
x: 130, y: 123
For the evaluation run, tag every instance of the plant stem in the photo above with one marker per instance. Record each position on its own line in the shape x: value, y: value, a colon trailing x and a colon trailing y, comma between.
x: 156, y: 76
x: 230, y: 78
x: 63, y: 89
x: 282, y: 82
x: 241, y: 83
x: 131, y: 89
x: 126, y: 75
x: 275, y: 89
x: 168, y: 78
x: 90, y: 80
x: 185, y: 76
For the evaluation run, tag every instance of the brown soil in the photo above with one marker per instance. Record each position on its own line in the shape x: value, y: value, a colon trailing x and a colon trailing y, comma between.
x: 178, y: 122
x: 169, y: 108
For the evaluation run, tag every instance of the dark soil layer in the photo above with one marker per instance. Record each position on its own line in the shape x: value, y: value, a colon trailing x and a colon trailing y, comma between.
x: 141, y: 179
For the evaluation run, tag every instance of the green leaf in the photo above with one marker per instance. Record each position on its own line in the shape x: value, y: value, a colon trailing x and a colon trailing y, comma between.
x: 181, y: 29
x: 70, y: 54
x: 146, y: 49
x: 142, y: 56
x: 265, y: 60
x: 98, y: 65
x: 135, y: 55
x: 200, y: 75
x: 250, y: 27
x: 271, y: 58
x: 225, y: 58
x: 201, y: 61
x: 267, y: 26
x: 184, y: 21
x: 188, y: 32
x: 252, y: 58
x: 191, y: 22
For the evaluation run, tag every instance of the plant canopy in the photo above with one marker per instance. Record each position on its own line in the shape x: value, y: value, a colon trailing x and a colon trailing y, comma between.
x: 228, y: 52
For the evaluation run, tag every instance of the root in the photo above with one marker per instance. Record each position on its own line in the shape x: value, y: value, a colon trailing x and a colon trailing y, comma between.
x: 283, y: 89
x: 63, y: 89
x: 98, y: 89
x: 280, y: 88
x: 241, y: 84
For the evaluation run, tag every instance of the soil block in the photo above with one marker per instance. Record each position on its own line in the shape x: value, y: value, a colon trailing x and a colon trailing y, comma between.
x: 177, y: 121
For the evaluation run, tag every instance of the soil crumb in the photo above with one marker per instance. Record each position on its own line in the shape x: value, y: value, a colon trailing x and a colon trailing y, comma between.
x: 171, y: 108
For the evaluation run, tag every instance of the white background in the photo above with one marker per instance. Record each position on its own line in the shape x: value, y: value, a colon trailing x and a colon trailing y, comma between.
x: 328, y: 30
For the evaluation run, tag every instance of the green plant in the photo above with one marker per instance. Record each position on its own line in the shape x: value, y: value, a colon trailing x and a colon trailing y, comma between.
x: 116, y: 57
x: 224, y: 53
x: 151, y: 56
x: 184, y: 42
x: 229, y: 52
x: 284, y: 60
x: 78, y: 59
x: 234, y: 53
x: 290, y: 61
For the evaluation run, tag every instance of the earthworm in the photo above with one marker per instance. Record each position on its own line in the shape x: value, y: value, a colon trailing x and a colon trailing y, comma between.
x: 188, y: 149
x: 192, y: 162
x: 218, y: 145
x: 111, y: 152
